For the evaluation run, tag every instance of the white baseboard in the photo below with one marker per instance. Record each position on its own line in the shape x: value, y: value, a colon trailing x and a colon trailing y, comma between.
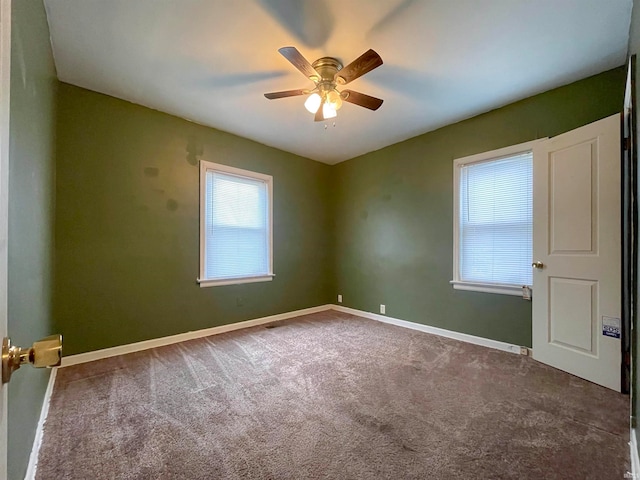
x: 37, y: 441
x: 181, y: 337
x: 635, y: 460
x: 463, y: 337
x: 159, y: 342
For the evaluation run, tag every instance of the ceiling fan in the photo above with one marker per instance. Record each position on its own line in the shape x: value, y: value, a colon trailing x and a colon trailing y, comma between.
x: 327, y: 73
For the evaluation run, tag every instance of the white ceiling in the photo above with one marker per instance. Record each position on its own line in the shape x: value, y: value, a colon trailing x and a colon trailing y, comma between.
x: 210, y: 61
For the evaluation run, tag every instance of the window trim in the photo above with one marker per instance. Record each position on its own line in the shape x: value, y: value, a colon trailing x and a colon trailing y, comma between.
x: 458, y: 163
x: 268, y: 179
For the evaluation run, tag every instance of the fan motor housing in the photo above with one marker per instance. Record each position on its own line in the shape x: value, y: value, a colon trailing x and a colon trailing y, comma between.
x: 327, y: 67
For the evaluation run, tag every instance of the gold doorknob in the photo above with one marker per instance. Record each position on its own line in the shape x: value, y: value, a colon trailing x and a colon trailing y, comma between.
x: 46, y: 352
x: 537, y: 265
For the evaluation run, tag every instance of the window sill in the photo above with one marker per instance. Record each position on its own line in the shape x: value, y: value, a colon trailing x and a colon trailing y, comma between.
x: 503, y: 289
x: 234, y: 281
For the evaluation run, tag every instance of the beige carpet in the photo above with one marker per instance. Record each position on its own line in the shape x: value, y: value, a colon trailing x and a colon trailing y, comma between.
x: 333, y: 396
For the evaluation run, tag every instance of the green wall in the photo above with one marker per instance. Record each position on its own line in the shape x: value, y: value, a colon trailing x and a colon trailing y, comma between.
x: 31, y: 195
x: 127, y: 225
x: 394, y: 224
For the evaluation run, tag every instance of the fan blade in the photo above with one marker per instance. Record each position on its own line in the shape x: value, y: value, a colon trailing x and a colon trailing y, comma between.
x: 297, y: 60
x: 357, y: 98
x: 319, y: 114
x: 361, y: 65
x: 286, y: 93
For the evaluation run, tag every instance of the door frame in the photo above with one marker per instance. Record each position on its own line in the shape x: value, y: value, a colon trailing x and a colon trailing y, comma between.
x: 5, y: 81
x: 629, y: 183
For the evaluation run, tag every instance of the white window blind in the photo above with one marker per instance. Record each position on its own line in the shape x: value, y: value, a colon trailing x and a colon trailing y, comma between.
x: 496, y: 220
x: 237, y: 237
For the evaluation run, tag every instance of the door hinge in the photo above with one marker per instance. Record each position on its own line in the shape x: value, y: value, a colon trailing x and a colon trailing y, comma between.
x: 626, y: 143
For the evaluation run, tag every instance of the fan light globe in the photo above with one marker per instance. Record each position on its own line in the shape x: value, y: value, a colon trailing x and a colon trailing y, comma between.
x: 328, y: 111
x: 312, y: 104
x: 334, y: 99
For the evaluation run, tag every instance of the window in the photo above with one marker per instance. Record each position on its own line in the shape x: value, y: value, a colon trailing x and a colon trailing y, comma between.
x: 493, y: 220
x: 235, y: 225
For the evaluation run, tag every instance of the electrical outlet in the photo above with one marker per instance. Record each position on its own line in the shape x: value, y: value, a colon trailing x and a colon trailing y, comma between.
x: 339, y: 298
x: 383, y: 309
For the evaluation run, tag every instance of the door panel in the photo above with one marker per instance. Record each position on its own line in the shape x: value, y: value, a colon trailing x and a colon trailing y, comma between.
x: 576, y: 210
x: 573, y: 188
x: 573, y: 314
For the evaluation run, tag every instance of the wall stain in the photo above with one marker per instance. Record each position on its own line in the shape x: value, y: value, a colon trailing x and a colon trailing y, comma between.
x: 364, y: 215
x: 152, y: 171
x: 386, y: 197
x: 159, y: 190
x: 172, y: 205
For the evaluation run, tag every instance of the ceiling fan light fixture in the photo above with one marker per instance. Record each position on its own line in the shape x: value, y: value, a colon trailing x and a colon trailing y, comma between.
x: 325, y: 100
x: 312, y: 103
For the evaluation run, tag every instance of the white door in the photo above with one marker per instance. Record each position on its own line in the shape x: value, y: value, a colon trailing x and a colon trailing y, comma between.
x: 5, y: 55
x: 576, y: 239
